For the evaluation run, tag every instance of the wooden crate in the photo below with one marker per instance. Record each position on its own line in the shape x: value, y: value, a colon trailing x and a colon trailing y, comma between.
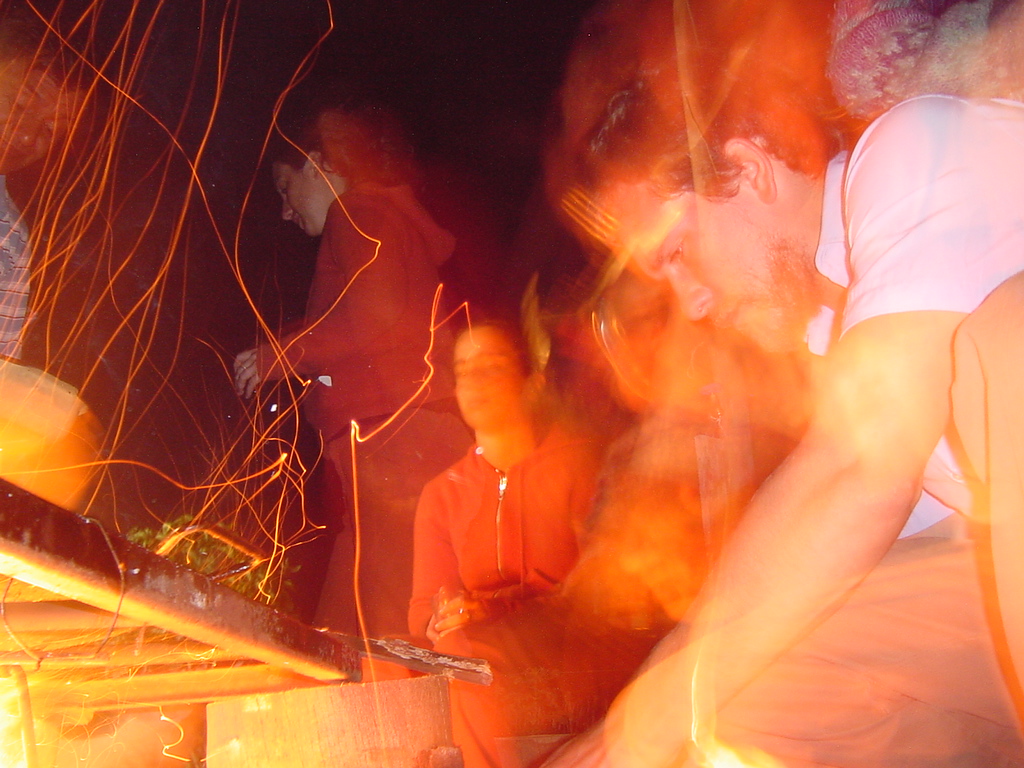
x: 391, y: 724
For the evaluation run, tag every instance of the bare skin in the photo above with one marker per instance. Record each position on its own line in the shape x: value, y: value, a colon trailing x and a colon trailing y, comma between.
x: 815, y: 529
x: 826, y: 517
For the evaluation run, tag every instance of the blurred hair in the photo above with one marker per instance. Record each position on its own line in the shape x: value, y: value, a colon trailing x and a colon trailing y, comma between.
x: 361, y: 144
x: 24, y: 36
x: 655, y: 89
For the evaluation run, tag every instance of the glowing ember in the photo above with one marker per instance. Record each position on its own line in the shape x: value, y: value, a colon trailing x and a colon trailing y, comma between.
x: 718, y: 755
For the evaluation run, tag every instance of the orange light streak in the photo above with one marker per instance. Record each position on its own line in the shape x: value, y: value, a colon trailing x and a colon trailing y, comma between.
x: 247, y: 476
x: 166, y: 751
x: 356, y: 437
x: 84, y: 192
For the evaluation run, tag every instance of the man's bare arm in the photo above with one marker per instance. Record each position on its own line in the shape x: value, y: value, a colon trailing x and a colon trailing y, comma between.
x: 819, y: 524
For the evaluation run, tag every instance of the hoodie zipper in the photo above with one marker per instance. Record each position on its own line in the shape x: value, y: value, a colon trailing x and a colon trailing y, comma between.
x: 502, y: 485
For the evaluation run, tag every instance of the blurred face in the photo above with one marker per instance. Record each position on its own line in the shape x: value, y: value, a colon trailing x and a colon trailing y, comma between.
x: 34, y: 111
x: 723, y: 264
x: 306, y: 196
x: 489, y: 379
x: 653, y: 352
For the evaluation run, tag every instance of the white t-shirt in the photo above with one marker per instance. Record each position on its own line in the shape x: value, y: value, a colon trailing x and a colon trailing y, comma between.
x: 933, y: 208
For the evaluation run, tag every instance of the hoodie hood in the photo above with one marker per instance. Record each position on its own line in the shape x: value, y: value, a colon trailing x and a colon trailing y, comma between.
x: 440, y: 243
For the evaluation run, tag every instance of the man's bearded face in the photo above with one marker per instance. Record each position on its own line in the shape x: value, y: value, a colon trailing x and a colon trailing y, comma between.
x: 722, y: 266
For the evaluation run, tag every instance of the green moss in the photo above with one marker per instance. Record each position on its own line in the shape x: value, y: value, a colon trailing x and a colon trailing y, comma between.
x: 212, y: 552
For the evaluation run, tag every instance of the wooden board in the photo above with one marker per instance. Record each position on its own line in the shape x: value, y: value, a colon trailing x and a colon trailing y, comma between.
x: 391, y: 724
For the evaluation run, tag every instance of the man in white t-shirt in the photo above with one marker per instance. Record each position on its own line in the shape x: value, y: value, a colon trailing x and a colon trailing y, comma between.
x: 844, y: 624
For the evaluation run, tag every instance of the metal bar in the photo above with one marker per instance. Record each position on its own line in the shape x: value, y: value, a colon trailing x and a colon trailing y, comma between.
x: 166, y: 688
x: 405, y: 654
x: 58, y: 616
x: 182, y: 652
x: 75, y: 557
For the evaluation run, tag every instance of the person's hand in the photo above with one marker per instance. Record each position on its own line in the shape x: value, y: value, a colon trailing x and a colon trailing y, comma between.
x: 247, y: 375
x: 452, y: 612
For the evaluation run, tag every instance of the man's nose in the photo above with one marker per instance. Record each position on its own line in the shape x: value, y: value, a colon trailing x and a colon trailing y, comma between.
x: 695, y: 299
x: 287, y: 212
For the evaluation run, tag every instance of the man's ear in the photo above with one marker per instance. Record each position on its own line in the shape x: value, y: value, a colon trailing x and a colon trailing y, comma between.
x: 326, y: 165
x: 319, y: 167
x: 757, y: 169
x: 315, y: 163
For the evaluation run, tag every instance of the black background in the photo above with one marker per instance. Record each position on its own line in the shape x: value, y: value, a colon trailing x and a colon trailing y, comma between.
x: 195, y: 86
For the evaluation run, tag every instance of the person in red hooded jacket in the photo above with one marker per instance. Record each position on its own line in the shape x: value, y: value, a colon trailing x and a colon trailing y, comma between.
x: 495, y: 534
x: 365, y: 349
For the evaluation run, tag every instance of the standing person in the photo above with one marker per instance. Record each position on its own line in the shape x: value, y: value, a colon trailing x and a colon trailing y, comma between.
x: 36, y: 110
x: 495, y: 532
x: 843, y: 624
x: 502, y: 524
x: 365, y: 347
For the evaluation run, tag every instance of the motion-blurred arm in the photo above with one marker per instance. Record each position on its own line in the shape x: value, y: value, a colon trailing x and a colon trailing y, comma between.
x: 819, y: 524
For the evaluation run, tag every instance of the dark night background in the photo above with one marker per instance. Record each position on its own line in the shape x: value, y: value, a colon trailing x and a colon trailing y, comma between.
x: 472, y: 79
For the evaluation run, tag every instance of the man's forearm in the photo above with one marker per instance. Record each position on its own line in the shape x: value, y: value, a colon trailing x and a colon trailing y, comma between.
x: 649, y: 726
x: 811, y: 534
x: 772, y: 585
x: 832, y: 510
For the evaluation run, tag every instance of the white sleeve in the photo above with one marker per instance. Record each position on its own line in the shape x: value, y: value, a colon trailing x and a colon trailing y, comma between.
x: 933, y: 207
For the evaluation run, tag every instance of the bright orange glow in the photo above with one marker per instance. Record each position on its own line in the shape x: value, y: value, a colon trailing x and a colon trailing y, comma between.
x: 12, y: 746
x: 720, y: 756
x: 168, y: 748
x: 245, y: 476
x: 712, y: 753
x: 118, y: 216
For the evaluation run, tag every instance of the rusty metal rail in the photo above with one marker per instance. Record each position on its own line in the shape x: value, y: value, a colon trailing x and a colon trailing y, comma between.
x: 76, y: 559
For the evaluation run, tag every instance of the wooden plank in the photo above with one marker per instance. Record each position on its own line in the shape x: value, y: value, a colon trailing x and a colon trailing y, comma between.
x: 76, y: 557
x: 162, y: 687
x: 390, y: 724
